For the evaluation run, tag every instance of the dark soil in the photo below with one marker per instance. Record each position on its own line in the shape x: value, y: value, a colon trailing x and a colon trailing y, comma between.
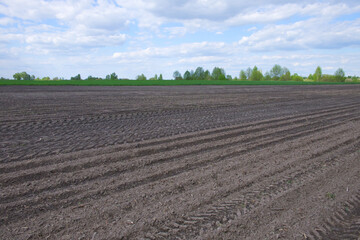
x: 184, y: 162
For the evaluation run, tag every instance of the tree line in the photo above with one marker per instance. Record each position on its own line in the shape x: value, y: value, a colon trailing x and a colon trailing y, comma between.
x: 276, y: 73
x: 201, y: 74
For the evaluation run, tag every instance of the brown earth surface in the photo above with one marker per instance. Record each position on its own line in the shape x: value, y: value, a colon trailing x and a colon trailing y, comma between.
x: 184, y: 162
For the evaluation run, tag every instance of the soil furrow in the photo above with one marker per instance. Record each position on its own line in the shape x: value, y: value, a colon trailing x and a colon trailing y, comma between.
x: 149, y: 163
x: 55, y: 160
x: 225, y: 211
x: 176, y: 198
x: 134, y: 138
x: 293, y: 201
x: 235, y: 167
x: 51, y: 172
x: 152, y: 178
x: 242, y: 186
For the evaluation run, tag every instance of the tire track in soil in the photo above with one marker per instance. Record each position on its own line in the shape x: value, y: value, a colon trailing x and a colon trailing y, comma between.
x: 74, y: 147
x: 344, y: 224
x: 190, y: 183
x: 70, y: 130
x: 134, y: 167
x: 110, y: 173
x: 94, y: 118
x: 52, y: 123
x: 279, y: 123
x: 59, y: 229
x: 314, y: 140
x: 221, y: 213
x: 281, y: 217
x: 54, y: 203
x: 32, y: 164
x: 14, y: 198
x: 40, y: 175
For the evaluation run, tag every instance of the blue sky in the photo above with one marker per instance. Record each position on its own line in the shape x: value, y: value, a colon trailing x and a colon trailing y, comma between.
x: 61, y: 38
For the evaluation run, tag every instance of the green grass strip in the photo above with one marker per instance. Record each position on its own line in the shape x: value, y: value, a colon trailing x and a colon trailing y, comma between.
x: 154, y: 82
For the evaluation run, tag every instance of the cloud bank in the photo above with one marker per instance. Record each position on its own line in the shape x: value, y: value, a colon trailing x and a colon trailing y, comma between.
x: 66, y: 37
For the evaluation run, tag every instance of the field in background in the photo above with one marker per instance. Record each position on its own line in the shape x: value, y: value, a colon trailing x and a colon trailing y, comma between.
x: 156, y: 82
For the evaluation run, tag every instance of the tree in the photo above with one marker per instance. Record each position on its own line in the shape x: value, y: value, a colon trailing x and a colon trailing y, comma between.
x: 187, y: 75
x: 177, y: 75
x: 243, y: 75
x: 141, y: 77
x: 218, y: 74
x: 23, y: 76
x: 276, y: 72
x: 228, y: 77
x: 154, y: 78
x: 77, y: 77
x: 248, y: 73
x: 296, y: 78
x: 161, y: 77
x: 267, y: 76
x: 286, y: 76
x: 256, y: 75
x: 339, y: 75
x: 113, y: 76
x: 192, y: 74
x: 17, y: 76
x: 199, y: 73
x: 207, y: 75
x: 318, y: 74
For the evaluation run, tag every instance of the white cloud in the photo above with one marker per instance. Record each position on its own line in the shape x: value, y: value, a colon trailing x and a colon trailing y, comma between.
x: 37, y: 10
x: 104, y: 17
x: 6, y: 21
x: 73, y: 38
x: 328, y: 10
x: 9, y: 37
x: 189, y: 49
x: 196, y: 61
x: 173, y: 32
x: 232, y: 13
x: 269, y: 14
x: 64, y: 26
x: 312, y: 33
x: 239, y: 12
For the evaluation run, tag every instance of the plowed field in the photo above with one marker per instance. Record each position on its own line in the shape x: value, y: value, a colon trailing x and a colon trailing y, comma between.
x: 185, y: 162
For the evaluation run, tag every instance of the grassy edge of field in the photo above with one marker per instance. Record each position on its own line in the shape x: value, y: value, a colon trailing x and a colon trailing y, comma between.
x: 155, y: 82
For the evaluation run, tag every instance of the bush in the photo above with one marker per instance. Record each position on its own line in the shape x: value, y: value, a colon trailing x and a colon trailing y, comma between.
x: 296, y: 78
x: 141, y: 77
x: 327, y: 78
